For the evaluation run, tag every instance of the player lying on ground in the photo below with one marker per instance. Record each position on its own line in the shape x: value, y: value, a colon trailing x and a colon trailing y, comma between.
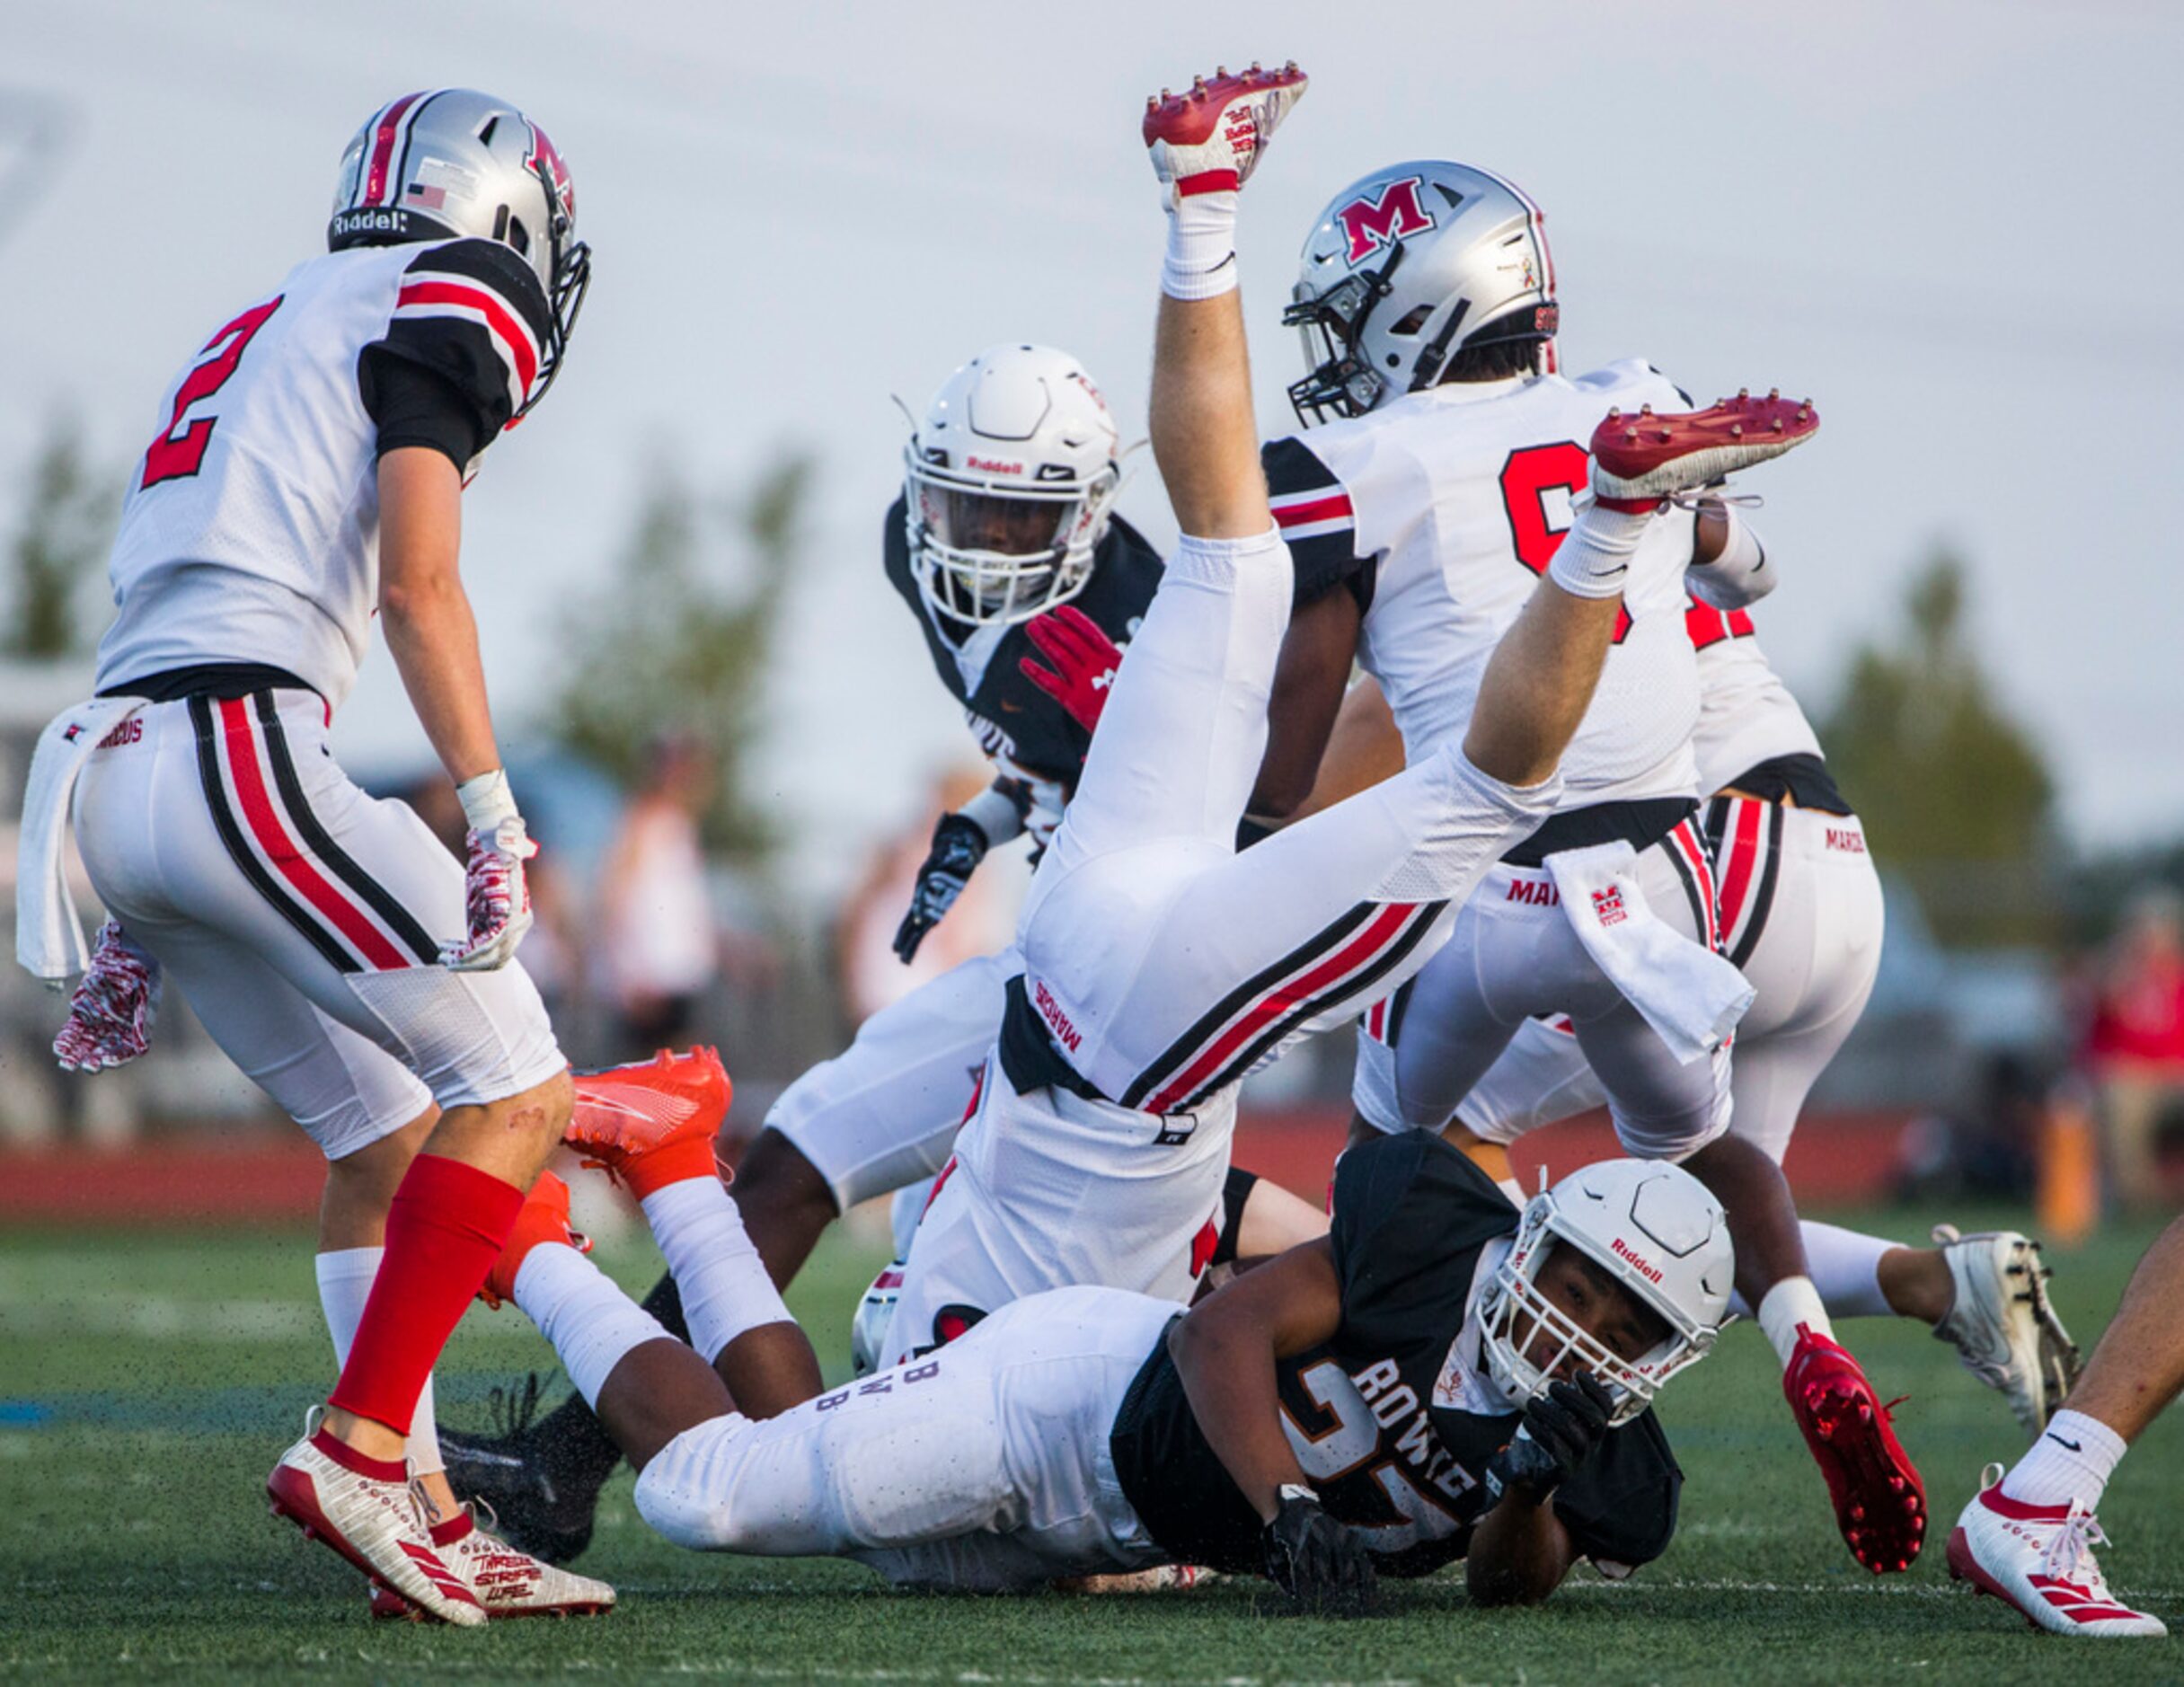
x: 1801, y: 914
x: 2029, y: 1536
x: 1434, y: 1380
x: 307, y: 476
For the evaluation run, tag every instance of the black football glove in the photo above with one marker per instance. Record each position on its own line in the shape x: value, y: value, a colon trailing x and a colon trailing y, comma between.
x: 1320, y: 1564
x: 959, y: 845
x: 1561, y: 1430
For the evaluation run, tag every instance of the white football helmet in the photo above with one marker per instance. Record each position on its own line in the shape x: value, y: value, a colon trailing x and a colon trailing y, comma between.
x: 1407, y: 267
x: 453, y: 160
x: 1652, y: 1227
x: 1009, y: 484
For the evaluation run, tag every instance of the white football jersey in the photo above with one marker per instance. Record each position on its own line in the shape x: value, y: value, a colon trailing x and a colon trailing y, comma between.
x: 250, y: 531
x: 1446, y: 506
x: 1746, y: 715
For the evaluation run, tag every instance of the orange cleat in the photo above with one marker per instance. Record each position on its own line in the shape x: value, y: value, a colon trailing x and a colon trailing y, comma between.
x: 1881, y: 1503
x: 545, y: 1218
x: 652, y: 1122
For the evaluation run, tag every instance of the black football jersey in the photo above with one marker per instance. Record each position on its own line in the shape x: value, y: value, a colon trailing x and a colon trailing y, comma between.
x: 1024, y: 730
x: 1393, y: 1420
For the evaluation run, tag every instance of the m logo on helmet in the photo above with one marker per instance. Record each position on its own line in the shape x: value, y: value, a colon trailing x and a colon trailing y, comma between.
x: 1369, y: 223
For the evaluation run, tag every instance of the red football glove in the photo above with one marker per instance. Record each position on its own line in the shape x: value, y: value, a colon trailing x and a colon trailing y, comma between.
x: 1084, y: 662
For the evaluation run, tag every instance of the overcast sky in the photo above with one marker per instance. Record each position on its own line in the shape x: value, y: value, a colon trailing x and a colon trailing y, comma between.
x: 1955, y: 225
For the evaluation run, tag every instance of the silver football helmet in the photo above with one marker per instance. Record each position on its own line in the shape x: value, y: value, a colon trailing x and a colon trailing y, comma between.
x: 453, y: 160
x: 1404, y: 268
x: 1009, y: 484
x: 1653, y: 1228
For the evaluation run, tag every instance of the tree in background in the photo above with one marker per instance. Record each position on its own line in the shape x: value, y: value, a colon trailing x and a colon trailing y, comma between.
x: 67, y: 524
x: 1955, y: 794
x: 679, y: 641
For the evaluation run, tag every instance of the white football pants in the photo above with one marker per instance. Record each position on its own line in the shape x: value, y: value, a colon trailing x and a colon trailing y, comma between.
x: 301, y: 919
x: 1515, y: 955
x: 884, y: 1112
x: 986, y: 1466
x: 1802, y: 915
x: 1165, y: 965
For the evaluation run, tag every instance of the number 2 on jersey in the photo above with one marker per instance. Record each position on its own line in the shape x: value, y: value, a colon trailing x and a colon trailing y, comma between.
x: 180, y: 451
x: 1526, y: 478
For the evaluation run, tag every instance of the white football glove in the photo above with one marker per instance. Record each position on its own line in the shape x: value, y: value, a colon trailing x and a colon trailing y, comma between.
x: 1208, y: 139
x: 111, y: 1014
x: 496, y: 901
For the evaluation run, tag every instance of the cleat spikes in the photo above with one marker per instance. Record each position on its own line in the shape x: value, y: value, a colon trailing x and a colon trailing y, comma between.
x: 1630, y: 435
x: 1773, y: 392
x: 1736, y: 430
x: 1645, y: 410
x: 1743, y: 393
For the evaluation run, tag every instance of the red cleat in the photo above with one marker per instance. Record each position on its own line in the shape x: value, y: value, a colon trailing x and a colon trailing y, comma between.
x: 652, y: 1122
x: 1652, y: 455
x: 1208, y: 139
x: 1881, y: 1503
x: 545, y: 1218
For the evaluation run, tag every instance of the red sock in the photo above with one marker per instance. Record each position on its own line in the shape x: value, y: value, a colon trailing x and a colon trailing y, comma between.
x: 445, y: 1229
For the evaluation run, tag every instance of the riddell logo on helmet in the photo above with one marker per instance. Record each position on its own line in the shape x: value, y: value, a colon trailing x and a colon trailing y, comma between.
x: 1370, y: 224
x: 1649, y: 1272
x: 989, y: 465
x: 371, y: 221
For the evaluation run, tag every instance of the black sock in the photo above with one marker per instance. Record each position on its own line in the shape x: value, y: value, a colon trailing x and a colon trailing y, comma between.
x: 570, y: 1440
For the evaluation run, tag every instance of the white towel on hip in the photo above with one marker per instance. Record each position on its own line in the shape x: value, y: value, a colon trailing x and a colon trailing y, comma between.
x: 1691, y: 996
x: 50, y: 939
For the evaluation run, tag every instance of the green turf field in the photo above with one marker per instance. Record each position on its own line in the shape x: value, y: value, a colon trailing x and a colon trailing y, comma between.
x: 147, y: 1381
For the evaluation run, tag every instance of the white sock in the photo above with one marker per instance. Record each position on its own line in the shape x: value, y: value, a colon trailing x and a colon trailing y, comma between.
x: 724, y: 1284
x: 2054, y: 1472
x: 1593, y: 559
x: 1201, y: 258
x: 1846, y: 1270
x: 1515, y: 1190
x: 592, y: 1324
x: 345, y: 1283
x: 1789, y: 1303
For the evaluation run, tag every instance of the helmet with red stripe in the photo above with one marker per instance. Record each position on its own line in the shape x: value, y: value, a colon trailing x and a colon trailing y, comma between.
x: 455, y: 162
x: 1411, y: 268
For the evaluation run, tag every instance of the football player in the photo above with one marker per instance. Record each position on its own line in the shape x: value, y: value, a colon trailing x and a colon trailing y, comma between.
x: 1801, y: 915
x: 1160, y: 965
x: 1436, y: 1379
x: 2028, y: 1537
x: 1028, y: 587
x: 306, y: 474
x: 1432, y: 488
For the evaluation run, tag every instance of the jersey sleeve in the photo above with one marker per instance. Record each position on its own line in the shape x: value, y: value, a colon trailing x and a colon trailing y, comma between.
x: 1410, y: 1215
x: 1313, y: 508
x: 1621, y: 1508
x: 471, y: 313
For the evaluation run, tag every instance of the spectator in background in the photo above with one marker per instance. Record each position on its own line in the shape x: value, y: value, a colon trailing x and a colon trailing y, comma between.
x: 2134, y: 1047
x: 661, y: 945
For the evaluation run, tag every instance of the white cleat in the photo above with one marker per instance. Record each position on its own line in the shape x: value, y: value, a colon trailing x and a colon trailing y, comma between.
x: 2039, y: 1558
x: 367, y: 1510
x: 506, y: 1582
x: 1208, y: 139
x: 2002, y: 1323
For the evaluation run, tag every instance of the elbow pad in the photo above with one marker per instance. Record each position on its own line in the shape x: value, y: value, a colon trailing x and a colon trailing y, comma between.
x: 1739, y: 575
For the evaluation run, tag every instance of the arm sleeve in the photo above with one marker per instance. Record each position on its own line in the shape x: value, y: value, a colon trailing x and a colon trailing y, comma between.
x: 413, y: 406
x: 1313, y: 508
x: 469, y: 313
